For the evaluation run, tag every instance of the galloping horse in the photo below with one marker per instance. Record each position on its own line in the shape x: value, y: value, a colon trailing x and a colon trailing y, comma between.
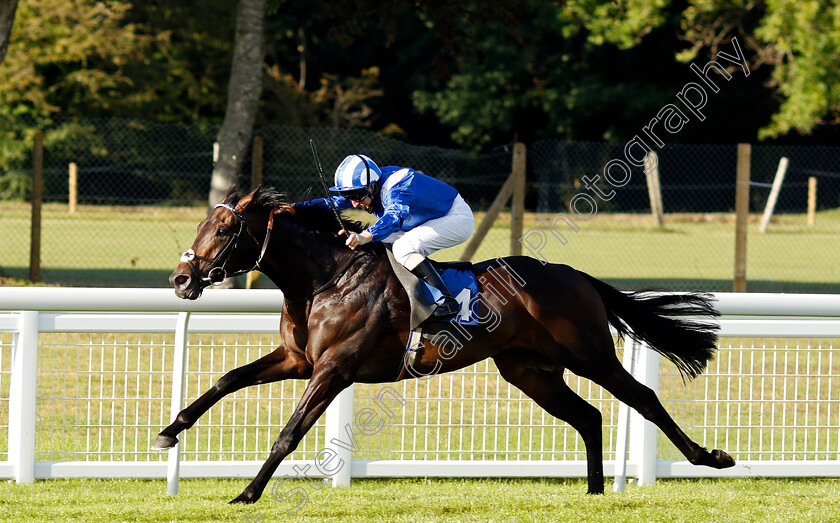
x: 345, y: 319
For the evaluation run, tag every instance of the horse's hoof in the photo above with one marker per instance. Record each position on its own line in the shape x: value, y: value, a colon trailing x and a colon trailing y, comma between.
x: 245, y: 497
x: 722, y: 460
x: 164, y: 442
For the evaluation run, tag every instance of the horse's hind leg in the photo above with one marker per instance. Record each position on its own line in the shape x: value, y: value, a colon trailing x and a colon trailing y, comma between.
x: 612, y: 376
x: 550, y: 391
x: 278, y: 365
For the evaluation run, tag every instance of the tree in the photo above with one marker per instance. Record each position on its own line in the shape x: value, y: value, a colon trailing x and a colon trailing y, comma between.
x: 7, y: 20
x: 800, y: 40
x: 243, y: 97
x: 553, y: 76
x: 66, y: 52
x: 803, y: 40
x: 52, y: 67
x: 560, y: 75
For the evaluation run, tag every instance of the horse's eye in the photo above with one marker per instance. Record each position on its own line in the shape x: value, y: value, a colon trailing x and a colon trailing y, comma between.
x: 220, y: 233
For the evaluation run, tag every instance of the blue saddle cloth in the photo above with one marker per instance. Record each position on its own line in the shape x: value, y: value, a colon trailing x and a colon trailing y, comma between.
x: 463, y: 286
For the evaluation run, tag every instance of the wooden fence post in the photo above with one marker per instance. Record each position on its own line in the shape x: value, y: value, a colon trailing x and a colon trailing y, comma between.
x: 742, y: 212
x: 37, y: 198
x: 812, y: 201
x: 517, y: 203
x: 654, y: 189
x: 73, y: 196
x: 774, y: 195
x: 252, y: 280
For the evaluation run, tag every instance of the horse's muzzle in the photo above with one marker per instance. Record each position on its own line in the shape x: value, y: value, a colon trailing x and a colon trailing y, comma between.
x: 185, y: 285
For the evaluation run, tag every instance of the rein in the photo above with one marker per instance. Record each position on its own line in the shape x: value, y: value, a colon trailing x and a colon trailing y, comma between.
x: 218, y: 273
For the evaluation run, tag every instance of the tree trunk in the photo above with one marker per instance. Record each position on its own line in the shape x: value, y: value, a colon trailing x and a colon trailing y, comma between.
x: 7, y: 20
x: 242, y: 97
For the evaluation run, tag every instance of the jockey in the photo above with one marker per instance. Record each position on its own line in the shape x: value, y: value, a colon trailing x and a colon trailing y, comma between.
x: 415, y: 213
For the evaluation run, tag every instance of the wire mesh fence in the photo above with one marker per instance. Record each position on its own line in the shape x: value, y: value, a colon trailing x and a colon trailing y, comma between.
x: 105, y: 396
x: 617, y: 238
x: 142, y: 189
x: 761, y: 399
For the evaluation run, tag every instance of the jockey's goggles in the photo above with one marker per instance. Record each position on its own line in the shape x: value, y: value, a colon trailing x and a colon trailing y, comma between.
x: 356, y: 195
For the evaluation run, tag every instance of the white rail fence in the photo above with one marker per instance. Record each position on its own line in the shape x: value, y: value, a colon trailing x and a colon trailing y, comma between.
x: 84, y: 393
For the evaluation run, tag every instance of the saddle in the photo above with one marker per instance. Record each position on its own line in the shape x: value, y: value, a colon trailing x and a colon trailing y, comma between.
x: 422, y: 303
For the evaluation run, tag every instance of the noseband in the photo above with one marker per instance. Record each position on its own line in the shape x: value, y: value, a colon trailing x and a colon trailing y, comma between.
x: 218, y: 273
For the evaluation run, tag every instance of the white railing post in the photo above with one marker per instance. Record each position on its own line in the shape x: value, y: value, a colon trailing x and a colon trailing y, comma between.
x: 22, y: 398
x: 173, y: 466
x: 631, y: 349
x: 339, y: 427
x: 643, y: 433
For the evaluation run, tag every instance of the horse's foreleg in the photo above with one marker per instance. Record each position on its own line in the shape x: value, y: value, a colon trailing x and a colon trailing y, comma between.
x: 278, y: 365
x: 324, y: 386
x: 550, y: 392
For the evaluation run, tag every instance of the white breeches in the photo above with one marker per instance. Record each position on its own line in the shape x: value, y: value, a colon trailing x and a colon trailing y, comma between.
x: 454, y: 228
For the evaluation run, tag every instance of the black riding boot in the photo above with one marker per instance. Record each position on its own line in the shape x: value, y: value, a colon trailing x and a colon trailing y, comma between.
x: 428, y: 274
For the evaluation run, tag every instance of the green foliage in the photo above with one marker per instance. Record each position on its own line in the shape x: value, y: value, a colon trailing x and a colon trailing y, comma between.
x: 623, y: 23
x: 478, y: 72
x: 51, y: 62
x: 14, y: 185
x: 90, y: 58
x: 558, y: 81
x: 799, y: 39
x: 806, y: 38
x: 66, y: 51
x: 502, y: 79
x: 554, y: 79
x: 465, y: 104
x: 710, y: 23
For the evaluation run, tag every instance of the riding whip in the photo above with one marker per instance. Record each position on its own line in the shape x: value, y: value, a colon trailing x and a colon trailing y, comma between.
x: 324, y: 184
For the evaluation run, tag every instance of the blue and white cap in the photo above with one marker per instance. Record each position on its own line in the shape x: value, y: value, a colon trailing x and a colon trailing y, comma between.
x: 357, y: 171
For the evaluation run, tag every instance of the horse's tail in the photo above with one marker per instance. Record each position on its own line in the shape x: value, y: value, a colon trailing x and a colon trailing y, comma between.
x: 656, y: 320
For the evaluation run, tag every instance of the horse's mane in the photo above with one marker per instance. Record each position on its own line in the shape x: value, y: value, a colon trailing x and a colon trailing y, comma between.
x: 316, y: 219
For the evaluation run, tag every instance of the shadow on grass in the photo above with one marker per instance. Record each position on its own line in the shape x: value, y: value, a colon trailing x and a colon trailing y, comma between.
x: 160, y: 278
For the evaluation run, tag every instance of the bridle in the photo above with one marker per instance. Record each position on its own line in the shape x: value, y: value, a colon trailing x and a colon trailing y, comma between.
x: 218, y: 272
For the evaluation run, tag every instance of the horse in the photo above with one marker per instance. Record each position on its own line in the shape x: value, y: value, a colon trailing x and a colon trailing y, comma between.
x: 345, y: 319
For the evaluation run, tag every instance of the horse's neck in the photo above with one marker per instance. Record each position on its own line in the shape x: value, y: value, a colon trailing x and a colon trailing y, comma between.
x: 299, y: 270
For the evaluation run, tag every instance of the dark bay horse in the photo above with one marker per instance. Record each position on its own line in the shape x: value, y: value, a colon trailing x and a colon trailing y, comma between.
x: 345, y: 319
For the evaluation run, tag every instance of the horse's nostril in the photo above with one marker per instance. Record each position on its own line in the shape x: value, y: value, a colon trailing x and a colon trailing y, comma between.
x: 181, y: 280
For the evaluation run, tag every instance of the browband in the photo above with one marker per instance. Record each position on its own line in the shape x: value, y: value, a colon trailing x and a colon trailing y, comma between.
x: 228, y: 207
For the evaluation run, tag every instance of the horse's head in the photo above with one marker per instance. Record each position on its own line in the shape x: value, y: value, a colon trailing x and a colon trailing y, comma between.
x: 229, y: 243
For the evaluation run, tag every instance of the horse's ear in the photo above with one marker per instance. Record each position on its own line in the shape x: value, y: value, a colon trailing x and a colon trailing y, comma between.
x: 230, y: 192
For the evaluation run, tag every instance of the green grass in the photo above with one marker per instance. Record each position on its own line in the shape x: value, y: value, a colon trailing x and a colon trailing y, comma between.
x: 489, y: 500
x: 139, y: 246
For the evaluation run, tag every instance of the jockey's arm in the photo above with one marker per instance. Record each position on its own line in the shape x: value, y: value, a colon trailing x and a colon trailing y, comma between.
x: 396, y: 207
x: 340, y: 203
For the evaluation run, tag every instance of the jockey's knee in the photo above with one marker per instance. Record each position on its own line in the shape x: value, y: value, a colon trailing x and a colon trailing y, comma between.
x: 412, y: 260
x: 407, y: 252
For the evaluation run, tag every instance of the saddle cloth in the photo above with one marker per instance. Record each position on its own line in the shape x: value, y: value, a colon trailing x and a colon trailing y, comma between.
x: 457, y: 276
